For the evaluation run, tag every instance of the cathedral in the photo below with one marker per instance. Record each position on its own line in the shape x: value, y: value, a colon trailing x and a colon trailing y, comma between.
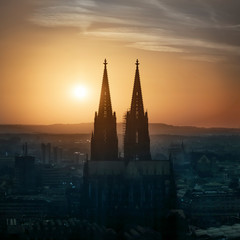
x: 130, y: 190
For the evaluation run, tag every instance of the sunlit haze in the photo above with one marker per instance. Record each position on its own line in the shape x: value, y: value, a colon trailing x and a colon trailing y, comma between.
x: 52, y: 55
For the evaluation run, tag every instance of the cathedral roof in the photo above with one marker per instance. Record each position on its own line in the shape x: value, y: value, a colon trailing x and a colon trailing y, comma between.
x: 130, y: 168
x: 105, y: 167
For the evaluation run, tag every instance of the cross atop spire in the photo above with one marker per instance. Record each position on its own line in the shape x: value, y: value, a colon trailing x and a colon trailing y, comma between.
x: 105, y: 63
x: 137, y: 63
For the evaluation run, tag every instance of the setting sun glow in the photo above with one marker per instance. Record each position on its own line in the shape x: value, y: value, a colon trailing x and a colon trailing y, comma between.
x: 80, y: 92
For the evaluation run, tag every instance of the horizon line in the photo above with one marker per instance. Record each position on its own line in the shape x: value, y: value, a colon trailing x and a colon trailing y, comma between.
x: 172, y: 125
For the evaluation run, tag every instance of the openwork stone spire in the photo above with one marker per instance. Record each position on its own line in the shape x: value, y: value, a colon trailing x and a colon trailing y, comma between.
x: 137, y: 101
x: 105, y: 106
x: 136, y: 139
x: 104, y: 142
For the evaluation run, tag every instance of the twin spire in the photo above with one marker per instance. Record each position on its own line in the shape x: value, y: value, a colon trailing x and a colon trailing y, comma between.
x: 136, y: 138
x: 104, y: 143
x: 137, y: 100
x: 105, y: 106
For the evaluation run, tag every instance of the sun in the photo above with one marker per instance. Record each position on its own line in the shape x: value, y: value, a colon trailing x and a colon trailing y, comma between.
x: 80, y: 92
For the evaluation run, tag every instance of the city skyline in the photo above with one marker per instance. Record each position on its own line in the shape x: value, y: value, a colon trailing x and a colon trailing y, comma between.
x: 52, y: 53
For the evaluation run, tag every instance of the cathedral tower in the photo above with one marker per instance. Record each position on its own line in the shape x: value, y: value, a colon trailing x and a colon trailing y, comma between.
x: 136, y: 139
x: 104, y: 142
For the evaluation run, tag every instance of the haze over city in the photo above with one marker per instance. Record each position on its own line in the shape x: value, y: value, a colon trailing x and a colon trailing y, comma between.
x: 52, y: 54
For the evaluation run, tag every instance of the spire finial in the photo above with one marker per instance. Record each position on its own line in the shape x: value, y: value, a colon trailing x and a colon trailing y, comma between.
x: 137, y: 63
x: 105, y: 62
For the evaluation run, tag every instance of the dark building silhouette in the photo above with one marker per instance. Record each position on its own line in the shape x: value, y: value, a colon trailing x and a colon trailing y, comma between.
x: 43, y: 153
x: 136, y: 140
x: 104, y: 142
x: 57, y: 154
x: 25, y: 172
x: 46, y: 153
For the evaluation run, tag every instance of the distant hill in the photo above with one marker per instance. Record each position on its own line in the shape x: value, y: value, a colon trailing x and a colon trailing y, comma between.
x: 52, y: 129
x: 86, y: 128
x: 159, y: 128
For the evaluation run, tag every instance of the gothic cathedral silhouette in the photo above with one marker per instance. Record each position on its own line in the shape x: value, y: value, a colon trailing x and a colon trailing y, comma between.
x: 136, y: 139
x: 104, y: 142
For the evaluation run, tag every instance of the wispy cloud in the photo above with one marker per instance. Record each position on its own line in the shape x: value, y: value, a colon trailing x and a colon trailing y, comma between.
x: 181, y: 26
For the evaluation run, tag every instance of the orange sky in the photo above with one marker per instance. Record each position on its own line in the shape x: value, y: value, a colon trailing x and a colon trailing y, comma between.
x: 189, y: 78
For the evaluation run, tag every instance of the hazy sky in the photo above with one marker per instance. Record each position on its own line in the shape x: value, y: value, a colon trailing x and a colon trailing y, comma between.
x: 189, y: 52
